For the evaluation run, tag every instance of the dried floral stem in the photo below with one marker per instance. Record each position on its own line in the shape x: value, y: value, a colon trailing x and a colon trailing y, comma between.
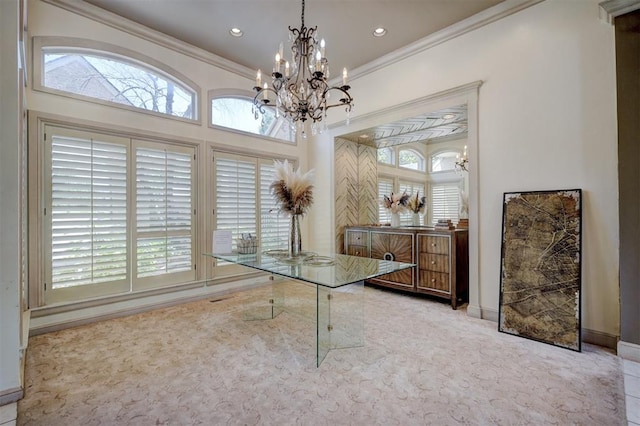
x: 292, y: 190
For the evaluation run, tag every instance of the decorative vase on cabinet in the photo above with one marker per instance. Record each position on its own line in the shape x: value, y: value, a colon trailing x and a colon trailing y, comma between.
x: 415, y: 219
x: 395, y: 219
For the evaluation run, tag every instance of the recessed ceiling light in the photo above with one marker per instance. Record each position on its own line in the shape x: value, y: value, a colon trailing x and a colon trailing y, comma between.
x: 236, y: 32
x: 448, y: 116
x: 363, y: 136
x: 379, y: 32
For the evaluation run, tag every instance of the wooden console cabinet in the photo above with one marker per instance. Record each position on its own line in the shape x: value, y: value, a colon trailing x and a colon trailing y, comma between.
x: 441, y: 256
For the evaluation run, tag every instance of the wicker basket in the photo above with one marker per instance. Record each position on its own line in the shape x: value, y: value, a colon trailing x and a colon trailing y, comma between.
x: 248, y: 246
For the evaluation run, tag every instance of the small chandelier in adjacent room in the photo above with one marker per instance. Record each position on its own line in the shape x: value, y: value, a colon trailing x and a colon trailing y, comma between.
x: 462, y: 163
x: 300, y: 89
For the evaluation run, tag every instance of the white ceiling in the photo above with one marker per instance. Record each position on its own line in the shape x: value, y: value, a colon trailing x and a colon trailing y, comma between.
x: 346, y: 25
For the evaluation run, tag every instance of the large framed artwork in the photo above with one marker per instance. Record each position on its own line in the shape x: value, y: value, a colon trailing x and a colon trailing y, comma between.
x: 540, y: 270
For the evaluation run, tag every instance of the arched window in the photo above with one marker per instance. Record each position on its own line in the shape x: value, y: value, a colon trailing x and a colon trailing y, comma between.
x: 112, y: 74
x: 236, y: 112
x: 386, y: 156
x: 444, y: 161
x: 411, y: 159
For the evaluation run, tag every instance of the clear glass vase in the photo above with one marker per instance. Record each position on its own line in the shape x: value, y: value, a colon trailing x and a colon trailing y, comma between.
x: 295, y: 241
x: 415, y: 219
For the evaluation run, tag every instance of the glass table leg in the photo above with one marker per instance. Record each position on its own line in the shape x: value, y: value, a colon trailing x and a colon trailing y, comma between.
x: 340, y: 318
x: 268, y: 304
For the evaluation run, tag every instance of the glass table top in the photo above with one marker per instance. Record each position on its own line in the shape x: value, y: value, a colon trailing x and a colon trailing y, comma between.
x: 332, y: 271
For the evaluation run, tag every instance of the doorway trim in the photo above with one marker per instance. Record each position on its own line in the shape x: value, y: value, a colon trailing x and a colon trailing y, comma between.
x: 466, y: 94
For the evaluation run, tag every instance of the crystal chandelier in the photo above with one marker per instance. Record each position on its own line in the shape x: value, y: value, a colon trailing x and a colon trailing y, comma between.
x: 462, y: 163
x: 300, y: 89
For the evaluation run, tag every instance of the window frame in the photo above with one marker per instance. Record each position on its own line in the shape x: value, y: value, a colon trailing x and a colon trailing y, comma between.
x: 41, y: 294
x: 117, y: 53
x: 459, y: 183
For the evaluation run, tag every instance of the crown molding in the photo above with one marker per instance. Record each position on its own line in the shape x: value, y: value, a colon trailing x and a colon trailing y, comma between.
x: 488, y: 16
x: 611, y: 9
x: 123, y: 24
x: 419, y: 103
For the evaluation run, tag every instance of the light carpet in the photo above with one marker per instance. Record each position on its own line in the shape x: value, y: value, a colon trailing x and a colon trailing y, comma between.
x: 423, y: 363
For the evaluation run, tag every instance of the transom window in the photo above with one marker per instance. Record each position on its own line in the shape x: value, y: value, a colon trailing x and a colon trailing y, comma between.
x: 444, y: 161
x: 386, y: 156
x: 411, y: 159
x: 237, y: 112
x: 118, y: 79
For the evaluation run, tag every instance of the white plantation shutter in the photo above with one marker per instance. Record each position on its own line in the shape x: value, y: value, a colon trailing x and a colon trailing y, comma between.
x: 385, y: 187
x: 274, y: 226
x: 236, y: 194
x: 86, y: 219
x: 445, y: 203
x: 410, y: 188
x: 164, y: 209
x: 112, y: 204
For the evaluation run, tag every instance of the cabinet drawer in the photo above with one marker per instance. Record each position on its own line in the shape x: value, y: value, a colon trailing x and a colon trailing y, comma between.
x: 361, y: 251
x: 434, y: 244
x: 434, y: 281
x: 434, y: 262
x: 357, y: 238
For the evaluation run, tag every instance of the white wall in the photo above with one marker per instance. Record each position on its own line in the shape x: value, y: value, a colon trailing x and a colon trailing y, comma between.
x: 547, y: 120
x: 10, y: 200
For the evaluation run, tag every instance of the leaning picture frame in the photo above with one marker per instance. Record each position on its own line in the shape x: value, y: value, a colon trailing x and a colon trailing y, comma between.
x: 540, y: 268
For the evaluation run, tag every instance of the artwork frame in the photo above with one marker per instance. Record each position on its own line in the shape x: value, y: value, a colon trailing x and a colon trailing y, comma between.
x: 541, y: 267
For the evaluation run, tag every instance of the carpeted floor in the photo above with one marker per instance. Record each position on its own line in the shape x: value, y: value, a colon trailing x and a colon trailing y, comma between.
x: 423, y: 363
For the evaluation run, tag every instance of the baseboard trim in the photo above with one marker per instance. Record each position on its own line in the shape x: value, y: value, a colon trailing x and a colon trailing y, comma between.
x: 629, y: 351
x: 599, y: 338
x: 56, y: 322
x: 9, y: 396
x: 482, y: 313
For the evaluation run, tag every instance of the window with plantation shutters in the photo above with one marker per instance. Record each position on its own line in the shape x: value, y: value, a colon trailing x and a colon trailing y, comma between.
x: 243, y: 201
x: 236, y: 194
x: 164, y: 209
x: 445, y: 203
x: 86, y: 213
x: 118, y: 214
x: 385, y: 187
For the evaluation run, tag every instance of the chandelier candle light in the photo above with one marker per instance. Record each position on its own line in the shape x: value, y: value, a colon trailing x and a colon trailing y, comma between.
x: 300, y: 87
x: 461, y: 163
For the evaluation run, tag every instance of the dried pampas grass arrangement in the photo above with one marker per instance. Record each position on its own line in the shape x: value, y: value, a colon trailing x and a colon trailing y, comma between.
x: 292, y: 190
x: 395, y: 203
x: 417, y: 204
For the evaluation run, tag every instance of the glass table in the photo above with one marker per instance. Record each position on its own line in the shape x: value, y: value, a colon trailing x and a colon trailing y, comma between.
x: 339, y: 282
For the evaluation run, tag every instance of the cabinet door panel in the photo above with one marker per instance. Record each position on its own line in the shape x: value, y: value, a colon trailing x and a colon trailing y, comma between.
x: 398, y: 246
